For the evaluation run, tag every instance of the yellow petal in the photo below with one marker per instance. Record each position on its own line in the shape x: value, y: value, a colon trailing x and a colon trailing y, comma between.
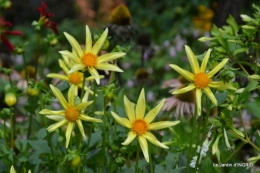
x: 59, y: 96
x: 110, y: 67
x: 198, y: 100
x: 192, y: 59
x: 150, y: 137
x: 140, y: 106
x: 88, y: 40
x: 122, y: 121
x: 221, y: 85
x: 55, y: 117
x: 12, y: 170
x: 74, y: 44
x: 76, y: 68
x: 95, y: 74
x: 53, y: 127
x: 58, y: 76
x: 49, y: 112
x: 71, y: 96
x: 81, y: 129
x: 186, y: 74
x: 211, y: 96
x: 162, y: 125
x: 217, y: 68
x: 184, y: 90
x: 130, y: 137
x: 144, y: 146
x: 63, y: 66
x: 205, y: 61
x: 152, y: 113
x: 85, y: 97
x: 98, y: 45
x: 68, y: 132
x: 215, y: 145
x: 83, y: 105
x: 90, y: 119
x: 110, y: 56
x: 71, y: 56
x: 129, y: 108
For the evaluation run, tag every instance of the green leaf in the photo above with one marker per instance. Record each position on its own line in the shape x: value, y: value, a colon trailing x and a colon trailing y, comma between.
x: 206, y: 166
x: 223, y: 42
x: 40, y: 146
x: 215, y: 30
x: 182, y: 160
x: 41, y: 133
x: 171, y: 160
x: 159, y: 169
x: 96, y: 136
x: 231, y: 21
x: 240, y: 50
x: 21, y: 145
x: 244, y: 95
x: 177, y: 170
x: 221, y: 97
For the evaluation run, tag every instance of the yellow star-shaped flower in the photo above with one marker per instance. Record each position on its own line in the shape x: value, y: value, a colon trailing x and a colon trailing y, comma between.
x: 88, y: 58
x: 200, y: 79
x: 140, y: 125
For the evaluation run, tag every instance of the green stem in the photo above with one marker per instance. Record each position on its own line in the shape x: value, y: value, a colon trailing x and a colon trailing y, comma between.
x: 104, y: 133
x: 29, y: 126
x: 24, y: 66
x: 37, y: 55
x: 115, y: 125
x: 12, y: 127
x: 234, y: 152
x: 83, y: 87
x: 5, y: 131
x: 46, y: 59
x: 191, y: 140
x: 242, y: 67
x: 243, y: 124
x: 137, y: 158
x: 256, y: 55
x: 150, y: 161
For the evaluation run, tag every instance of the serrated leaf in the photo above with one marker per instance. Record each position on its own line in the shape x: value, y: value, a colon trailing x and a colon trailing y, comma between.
x: 40, y: 146
x: 159, y: 169
x: 42, y: 133
x: 182, y: 160
x: 21, y: 145
x: 171, y: 160
x: 221, y: 97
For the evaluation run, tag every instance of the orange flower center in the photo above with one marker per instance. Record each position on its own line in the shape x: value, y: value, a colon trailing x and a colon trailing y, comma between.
x: 201, y: 80
x: 89, y: 60
x: 71, y: 114
x: 75, y: 78
x: 139, y: 126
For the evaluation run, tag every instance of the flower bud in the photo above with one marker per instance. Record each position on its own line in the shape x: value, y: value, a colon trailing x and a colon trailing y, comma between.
x: 10, y: 99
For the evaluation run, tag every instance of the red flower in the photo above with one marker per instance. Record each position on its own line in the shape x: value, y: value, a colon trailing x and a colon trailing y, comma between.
x: 3, y: 33
x: 44, y: 18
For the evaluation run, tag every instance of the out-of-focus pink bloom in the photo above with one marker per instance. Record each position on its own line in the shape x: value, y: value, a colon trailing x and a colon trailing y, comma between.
x: 45, y: 18
x: 4, y: 32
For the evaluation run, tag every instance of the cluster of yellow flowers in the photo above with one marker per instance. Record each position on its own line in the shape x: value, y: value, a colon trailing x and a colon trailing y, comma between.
x: 80, y: 60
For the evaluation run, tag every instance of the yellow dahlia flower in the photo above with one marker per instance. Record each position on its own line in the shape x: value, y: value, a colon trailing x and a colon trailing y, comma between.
x: 70, y: 115
x: 200, y: 79
x: 75, y: 78
x: 88, y: 58
x: 140, y: 125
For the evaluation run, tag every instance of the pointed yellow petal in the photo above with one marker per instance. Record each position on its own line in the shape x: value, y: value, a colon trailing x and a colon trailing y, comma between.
x: 110, y: 67
x: 95, y: 74
x: 63, y: 66
x: 184, y: 90
x: 129, y: 108
x: 76, y: 68
x: 144, y: 146
x: 71, y: 56
x: 110, y: 56
x: 193, y: 60
x: 198, y: 100
x: 98, y: 45
x: 12, y: 170
x: 205, y: 61
x: 210, y: 95
x: 85, y: 97
x: 217, y: 68
x: 58, y: 76
x: 71, y: 96
x: 53, y: 127
x: 221, y: 85
x: 130, y: 137
x: 150, y: 137
x: 140, y: 106
x: 90, y: 119
x: 74, y: 44
x: 152, y: 113
x: 122, y: 121
x: 83, y: 105
x: 49, y: 112
x: 68, y: 132
x: 215, y: 145
x: 59, y: 96
x: 88, y: 40
x: 55, y: 117
x: 186, y: 74
x: 81, y: 129
x: 162, y: 125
